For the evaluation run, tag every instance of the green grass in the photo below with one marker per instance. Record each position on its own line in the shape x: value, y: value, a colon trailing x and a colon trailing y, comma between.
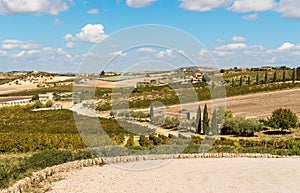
x: 19, y: 166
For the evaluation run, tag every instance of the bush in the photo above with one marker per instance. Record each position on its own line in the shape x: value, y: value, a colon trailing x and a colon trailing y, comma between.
x: 49, y: 158
x: 49, y: 103
x: 283, y: 119
x: 130, y: 141
x: 241, y: 126
x: 144, y: 142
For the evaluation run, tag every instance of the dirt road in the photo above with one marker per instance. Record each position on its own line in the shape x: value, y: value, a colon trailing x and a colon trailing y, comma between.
x: 193, y: 175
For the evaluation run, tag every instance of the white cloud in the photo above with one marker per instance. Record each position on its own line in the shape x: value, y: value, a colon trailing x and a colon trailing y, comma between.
x: 203, y: 5
x: 52, y: 7
x: 118, y: 53
x: 17, y: 44
x: 139, y: 3
x: 71, y: 45
x: 202, y: 52
x: 231, y: 47
x: 93, y: 11
x: 166, y: 53
x: 219, y: 40
x: 239, y: 39
x: 242, y: 6
x: 69, y: 38
x: 57, y: 21
x: 289, y: 8
x: 3, y: 53
x: 251, y: 17
x: 92, y: 33
x: 147, y: 50
x: 287, y: 46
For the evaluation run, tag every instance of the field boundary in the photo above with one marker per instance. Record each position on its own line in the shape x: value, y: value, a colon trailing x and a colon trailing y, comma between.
x: 45, y: 174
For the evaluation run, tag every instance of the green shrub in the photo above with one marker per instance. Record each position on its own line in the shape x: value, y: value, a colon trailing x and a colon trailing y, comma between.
x: 283, y: 119
x: 144, y: 142
x: 130, y: 141
x: 241, y: 126
x: 49, y: 158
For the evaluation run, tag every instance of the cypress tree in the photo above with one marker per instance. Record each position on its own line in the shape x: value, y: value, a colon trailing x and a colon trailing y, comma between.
x: 151, y: 113
x: 257, y: 80
x: 249, y: 81
x: 214, y: 124
x: 266, y: 77
x: 241, y: 81
x: 205, y: 120
x: 188, y: 115
x: 283, y: 76
x: 198, y: 120
x: 233, y: 82
x: 294, y: 75
x: 275, y: 76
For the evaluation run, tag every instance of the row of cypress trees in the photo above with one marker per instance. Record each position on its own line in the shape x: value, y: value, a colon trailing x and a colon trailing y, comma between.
x: 293, y: 78
x: 203, y: 126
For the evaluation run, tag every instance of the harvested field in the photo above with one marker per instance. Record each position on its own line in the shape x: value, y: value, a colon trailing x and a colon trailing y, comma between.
x: 256, y: 106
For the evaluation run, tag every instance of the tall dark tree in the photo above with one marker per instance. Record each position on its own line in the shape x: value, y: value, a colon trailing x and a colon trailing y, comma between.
x: 266, y: 77
x: 257, y: 79
x: 205, y: 120
x: 198, y: 120
x: 214, y: 123
x: 188, y: 115
x: 275, y: 76
x: 233, y: 82
x: 151, y: 113
x: 283, y: 76
x: 294, y: 75
x: 249, y: 80
x: 241, y: 81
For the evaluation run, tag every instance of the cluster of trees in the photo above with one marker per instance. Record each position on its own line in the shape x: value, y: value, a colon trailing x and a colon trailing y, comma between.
x: 265, y: 80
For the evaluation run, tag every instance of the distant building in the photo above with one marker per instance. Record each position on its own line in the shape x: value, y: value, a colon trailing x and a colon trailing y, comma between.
x: 21, y: 102
x: 46, y: 97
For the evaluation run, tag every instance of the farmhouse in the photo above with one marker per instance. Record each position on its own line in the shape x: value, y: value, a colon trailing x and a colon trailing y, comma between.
x: 13, y: 102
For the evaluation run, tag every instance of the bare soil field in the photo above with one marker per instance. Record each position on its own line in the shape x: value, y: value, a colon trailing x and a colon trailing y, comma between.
x: 256, y: 106
x: 190, y: 175
x: 24, y: 85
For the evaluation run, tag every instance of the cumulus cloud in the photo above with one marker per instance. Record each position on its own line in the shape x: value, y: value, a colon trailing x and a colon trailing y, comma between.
x: 239, y: 39
x: 242, y: 6
x: 203, y: 5
x: 93, y: 11
x: 165, y: 53
x: 57, y: 21
x: 233, y: 46
x: 289, y: 8
x: 251, y: 17
x: 148, y: 50
x: 287, y: 46
x: 17, y: 44
x: 52, y: 7
x: 69, y: 38
x: 139, y: 3
x: 71, y: 45
x: 3, y: 53
x: 92, y: 33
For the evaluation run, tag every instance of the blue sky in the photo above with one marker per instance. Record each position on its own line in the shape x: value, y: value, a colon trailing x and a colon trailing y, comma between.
x: 56, y: 35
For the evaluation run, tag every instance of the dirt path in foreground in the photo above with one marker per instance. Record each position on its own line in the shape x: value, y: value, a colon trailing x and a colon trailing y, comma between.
x: 193, y: 175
